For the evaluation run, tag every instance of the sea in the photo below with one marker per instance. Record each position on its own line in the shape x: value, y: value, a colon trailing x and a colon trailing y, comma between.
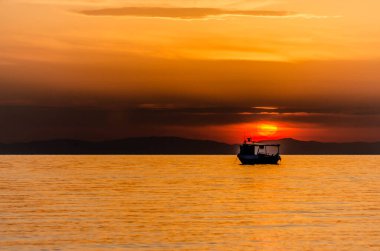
x: 189, y: 203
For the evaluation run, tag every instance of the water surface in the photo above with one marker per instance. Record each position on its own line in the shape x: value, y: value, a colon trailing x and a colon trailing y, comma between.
x: 189, y: 203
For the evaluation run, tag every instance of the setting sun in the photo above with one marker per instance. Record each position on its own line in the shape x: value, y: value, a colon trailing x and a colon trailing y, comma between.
x: 267, y: 129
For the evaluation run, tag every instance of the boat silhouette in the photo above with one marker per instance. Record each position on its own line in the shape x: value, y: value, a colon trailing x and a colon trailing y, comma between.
x: 252, y: 153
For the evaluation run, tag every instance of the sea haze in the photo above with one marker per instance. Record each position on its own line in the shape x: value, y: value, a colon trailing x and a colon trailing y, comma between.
x: 189, y: 203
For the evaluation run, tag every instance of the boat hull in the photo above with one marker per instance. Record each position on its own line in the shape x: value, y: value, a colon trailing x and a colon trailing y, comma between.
x: 246, y: 159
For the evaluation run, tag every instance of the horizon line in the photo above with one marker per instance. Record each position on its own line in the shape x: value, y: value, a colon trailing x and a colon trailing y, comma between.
x: 179, y: 137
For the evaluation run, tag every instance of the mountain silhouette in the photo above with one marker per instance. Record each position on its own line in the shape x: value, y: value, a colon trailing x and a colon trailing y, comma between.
x: 145, y: 145
x: 176, y: 145
x: 292, y: 146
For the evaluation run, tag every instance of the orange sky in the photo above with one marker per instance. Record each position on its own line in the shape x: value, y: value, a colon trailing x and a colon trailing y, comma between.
x: 204, y: 66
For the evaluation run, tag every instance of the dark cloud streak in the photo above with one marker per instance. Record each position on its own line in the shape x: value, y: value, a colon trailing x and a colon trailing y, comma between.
x: 182, y: 13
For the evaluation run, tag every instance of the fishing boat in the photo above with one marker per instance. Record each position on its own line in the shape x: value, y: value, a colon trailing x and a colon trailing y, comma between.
x: 252, y: 153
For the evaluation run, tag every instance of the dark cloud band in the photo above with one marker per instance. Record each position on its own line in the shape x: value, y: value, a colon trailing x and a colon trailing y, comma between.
x: 183, y: 13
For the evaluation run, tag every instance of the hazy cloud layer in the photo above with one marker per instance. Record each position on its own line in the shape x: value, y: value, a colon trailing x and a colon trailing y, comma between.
x: 25, y: 123
x: 169, y: 114
x: 185, y: 13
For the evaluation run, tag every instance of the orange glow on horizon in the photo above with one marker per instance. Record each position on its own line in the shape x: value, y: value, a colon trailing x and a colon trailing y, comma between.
x: 266, y: 129
x: 236, y: 133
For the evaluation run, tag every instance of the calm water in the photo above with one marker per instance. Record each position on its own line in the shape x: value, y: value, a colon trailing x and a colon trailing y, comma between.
x: 189, y: 203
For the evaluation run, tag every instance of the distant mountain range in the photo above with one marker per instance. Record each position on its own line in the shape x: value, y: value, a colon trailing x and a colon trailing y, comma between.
x: 175, y: 145
x: 292, y: 146
x: 147, y: 145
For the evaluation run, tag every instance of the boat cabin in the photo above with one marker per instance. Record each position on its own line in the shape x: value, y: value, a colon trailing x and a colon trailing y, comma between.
x: 259, y: 153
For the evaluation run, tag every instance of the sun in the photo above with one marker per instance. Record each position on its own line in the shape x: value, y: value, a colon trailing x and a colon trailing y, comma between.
x: 266, y: 129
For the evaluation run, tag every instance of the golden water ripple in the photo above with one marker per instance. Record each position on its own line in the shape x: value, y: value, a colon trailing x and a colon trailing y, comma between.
x: 189, y: 203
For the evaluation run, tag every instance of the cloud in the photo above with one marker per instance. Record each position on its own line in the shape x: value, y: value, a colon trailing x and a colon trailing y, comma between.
x: 265, y: 107
x: 223, y: 115
x: 187, y: 13
x: 33, y: 122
